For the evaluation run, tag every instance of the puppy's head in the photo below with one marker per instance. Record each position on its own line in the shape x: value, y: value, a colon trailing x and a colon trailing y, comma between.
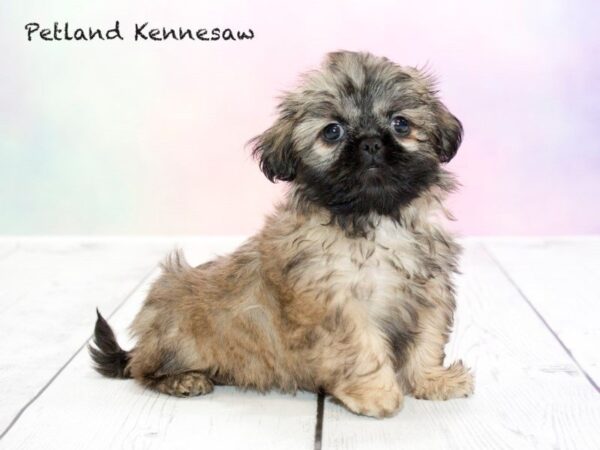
x: 361, y: 135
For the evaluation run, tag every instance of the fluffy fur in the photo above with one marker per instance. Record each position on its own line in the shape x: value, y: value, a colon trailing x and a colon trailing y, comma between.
x: 348, y: 287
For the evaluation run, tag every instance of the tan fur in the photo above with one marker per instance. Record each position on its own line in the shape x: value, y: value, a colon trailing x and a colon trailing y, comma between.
x: 241, y: 321
x: 306, y: 305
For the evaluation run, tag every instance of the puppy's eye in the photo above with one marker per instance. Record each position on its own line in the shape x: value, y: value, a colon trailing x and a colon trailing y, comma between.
x: 333, y: 132
x: 401, y: 125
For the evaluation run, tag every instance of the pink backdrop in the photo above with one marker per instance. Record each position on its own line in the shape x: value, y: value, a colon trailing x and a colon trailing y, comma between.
x: 148, y: 137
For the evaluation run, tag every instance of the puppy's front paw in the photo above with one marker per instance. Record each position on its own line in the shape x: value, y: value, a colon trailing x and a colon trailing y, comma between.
x: 444, y: 383
x: 380, y: 403
x: 185, y: 384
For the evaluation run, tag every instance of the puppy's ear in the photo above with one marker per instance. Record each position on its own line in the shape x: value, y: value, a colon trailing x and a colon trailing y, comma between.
x: 275, y: 152
x: 448, y: 131
x: 448, y: 134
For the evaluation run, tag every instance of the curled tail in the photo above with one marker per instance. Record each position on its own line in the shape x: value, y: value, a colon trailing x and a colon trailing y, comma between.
x: 109, y: 359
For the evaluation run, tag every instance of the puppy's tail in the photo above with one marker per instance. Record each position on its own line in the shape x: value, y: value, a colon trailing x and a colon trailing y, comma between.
x: 109, y: 359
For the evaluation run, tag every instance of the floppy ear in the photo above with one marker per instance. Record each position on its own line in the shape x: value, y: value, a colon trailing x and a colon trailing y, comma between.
x: 448, y: 131
x: 448, y: 134
x: 275, y: 152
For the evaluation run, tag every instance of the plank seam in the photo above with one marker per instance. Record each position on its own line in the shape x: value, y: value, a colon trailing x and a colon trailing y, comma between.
x: 64, y: 366
x: 320, y: 419
x: 539, y: 315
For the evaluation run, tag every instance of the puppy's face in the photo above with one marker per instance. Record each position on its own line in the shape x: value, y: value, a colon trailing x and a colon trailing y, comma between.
x: 362, y: 135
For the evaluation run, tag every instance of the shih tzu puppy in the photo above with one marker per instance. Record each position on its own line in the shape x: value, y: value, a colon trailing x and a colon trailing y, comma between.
x: 348, y: 287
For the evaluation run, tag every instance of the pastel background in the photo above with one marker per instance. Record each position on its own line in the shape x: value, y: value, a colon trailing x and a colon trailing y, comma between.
x: 149, y: 138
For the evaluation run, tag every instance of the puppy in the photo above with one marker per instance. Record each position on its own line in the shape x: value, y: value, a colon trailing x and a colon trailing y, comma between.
x: 348, y: 287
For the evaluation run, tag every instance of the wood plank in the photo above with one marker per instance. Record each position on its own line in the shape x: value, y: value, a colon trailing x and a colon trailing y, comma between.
x: 561, y: 279
x: 48, y: 292
x: 83, y: 410
x: 7, y: 248
x: 529, y: 394
x: 49, y: 288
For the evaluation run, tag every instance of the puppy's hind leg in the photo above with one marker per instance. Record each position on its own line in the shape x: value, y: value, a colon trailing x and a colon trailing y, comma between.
x: 165, y: 371
x: 167, y: 357
x: 170, y: 370
x: 185, y: 384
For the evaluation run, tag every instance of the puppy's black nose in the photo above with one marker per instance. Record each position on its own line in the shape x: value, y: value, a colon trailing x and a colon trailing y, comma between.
x: 372, y: 146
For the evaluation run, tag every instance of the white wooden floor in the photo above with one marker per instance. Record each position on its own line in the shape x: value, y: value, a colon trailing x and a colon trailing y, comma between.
x: 528, y: 322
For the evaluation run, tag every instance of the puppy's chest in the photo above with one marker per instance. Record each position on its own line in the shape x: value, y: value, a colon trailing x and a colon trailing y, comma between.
x: 376, y: 271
